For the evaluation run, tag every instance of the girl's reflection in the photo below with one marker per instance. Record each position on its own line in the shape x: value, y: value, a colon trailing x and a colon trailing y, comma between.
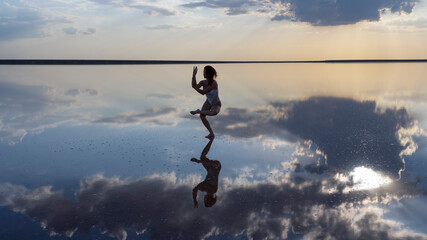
x: 210, y: 184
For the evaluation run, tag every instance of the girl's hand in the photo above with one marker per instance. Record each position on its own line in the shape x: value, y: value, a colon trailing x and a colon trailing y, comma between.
x: 194, y: 70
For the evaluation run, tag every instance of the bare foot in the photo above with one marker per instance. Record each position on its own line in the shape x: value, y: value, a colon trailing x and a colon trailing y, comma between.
x: 195, y: 111
x: 210, y: 136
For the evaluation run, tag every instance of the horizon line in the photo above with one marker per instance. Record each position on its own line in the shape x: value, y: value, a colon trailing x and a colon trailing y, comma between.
x: 159, y: 62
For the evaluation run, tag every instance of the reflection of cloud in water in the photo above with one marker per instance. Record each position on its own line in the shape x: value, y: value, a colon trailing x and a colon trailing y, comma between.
x: 350, y: 133
x: 161, y: 95
x: 151, y: 115
x: 9, y: 192
x: 365, y: 178
x: 28, y: 108
x: 161, y: 205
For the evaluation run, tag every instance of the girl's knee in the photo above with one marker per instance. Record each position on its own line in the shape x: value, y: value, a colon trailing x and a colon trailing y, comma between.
x: 217, y: 110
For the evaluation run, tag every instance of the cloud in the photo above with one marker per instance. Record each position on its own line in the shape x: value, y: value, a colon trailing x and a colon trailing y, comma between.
x: 152, y: 10
x: 330, y: 12
x: 75, y: 31
x: 161, y: 206
x: 70, y: 30
x: 151, y: 115
x: 349, y: 133
x: 176, y: 27
x: 233, y: 7
x: 27, y: 108
x: 23, y: 21
x: 79, y: 92
x: 147, y: 9
x: 9, y: 192
x: 314, y: 12
x: 420, y: 23
x: 163, y: 27
x: 161, y: 95
x: 89, y: 31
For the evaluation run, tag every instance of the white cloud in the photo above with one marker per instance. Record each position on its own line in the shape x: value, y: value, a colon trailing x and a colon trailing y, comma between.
x: 162, y: 205
x: 24, y: 20
x: 148, y: 7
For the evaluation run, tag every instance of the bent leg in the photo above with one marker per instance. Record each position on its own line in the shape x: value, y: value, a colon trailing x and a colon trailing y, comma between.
x: 213, y: 111
x: 206, y: 106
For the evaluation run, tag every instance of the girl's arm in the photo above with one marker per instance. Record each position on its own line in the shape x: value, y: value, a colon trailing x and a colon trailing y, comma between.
x: 193, y: 80
x: 207, y: 89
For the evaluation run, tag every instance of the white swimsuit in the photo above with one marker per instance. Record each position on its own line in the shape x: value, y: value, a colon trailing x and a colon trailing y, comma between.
x: 213, y: 97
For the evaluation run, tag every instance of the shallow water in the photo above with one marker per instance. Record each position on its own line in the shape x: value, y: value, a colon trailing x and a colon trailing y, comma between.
x: 93, y: 151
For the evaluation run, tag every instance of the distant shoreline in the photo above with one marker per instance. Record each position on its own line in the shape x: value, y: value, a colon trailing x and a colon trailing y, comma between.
x: 160, y: 62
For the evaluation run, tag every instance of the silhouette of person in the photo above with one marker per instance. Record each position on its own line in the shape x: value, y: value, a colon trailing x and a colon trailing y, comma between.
x: 212, y: 105
x: 210, y: 184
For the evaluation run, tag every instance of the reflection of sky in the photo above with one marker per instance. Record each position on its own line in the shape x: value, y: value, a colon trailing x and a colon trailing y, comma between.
x: 63, y: 125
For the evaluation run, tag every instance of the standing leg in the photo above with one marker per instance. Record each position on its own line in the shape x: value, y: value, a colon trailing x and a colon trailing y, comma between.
x: 207, y: 125
x: 206, y: 107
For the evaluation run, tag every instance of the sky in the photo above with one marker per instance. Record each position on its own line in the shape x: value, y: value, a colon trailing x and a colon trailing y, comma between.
x: 213, y: 29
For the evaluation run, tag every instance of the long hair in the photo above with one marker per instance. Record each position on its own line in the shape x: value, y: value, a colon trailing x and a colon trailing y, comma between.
x: 210, y: 73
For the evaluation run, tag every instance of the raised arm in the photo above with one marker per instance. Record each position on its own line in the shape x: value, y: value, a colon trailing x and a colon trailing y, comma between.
x: 193, y: 80
x: 197, y: 86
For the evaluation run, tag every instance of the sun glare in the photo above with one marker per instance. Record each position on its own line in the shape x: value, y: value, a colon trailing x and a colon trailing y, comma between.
x: 365, y: 178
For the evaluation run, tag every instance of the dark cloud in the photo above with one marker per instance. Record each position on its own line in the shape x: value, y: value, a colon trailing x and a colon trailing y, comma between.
x: 78, y: 92
x: 314, y: 168
x: 147, y: 9
x: 163, y: 209
x: 89, y: 31
x: 147, y: 116
x: 281, y: 17
x: 350, y: 133
x: 233, y: 7
x: 315, y: 12
x: 341, y: 12
x: 75, y: 31
x: 70, y: 30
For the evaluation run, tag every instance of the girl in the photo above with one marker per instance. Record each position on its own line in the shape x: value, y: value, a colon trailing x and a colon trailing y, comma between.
x: 212, y: 105
x: 210, y: 184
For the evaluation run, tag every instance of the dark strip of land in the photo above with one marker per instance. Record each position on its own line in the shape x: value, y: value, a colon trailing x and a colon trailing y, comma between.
x: 158, y: 62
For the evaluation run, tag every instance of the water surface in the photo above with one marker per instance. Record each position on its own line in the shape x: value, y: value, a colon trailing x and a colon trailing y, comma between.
x: 306, y: 151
